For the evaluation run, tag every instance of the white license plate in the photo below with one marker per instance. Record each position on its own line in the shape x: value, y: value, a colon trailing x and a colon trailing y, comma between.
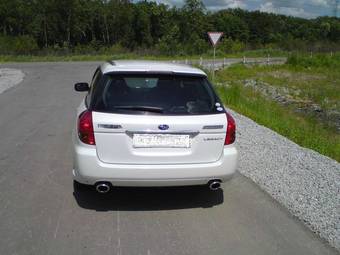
x: 161, y: 141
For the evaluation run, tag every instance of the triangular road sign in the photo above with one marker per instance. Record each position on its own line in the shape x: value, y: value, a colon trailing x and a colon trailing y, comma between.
x: 214, y: 37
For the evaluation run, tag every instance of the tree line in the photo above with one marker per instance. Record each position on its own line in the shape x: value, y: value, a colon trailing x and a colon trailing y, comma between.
x: 28, y: 26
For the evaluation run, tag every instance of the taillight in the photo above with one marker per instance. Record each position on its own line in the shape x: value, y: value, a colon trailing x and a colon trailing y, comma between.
x: 231, y: 129
x: 85, y: 128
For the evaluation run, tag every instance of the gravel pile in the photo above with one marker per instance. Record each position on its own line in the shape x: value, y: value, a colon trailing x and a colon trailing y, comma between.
x: 10, y: 77
x: 304, y: 181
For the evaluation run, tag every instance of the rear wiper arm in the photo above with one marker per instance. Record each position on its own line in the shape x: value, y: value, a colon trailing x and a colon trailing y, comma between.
x: 140, y: 108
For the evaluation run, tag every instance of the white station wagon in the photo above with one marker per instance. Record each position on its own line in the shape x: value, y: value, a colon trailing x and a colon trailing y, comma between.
x: 148, y: 123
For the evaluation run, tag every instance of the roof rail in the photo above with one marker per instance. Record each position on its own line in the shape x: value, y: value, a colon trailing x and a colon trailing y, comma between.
x: 111, y: 62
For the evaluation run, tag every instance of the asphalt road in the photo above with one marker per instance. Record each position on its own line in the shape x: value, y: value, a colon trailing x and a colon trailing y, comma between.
x: 41, y: 214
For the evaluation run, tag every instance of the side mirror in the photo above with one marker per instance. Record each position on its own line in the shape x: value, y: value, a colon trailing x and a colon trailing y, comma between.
x: 81, y: 86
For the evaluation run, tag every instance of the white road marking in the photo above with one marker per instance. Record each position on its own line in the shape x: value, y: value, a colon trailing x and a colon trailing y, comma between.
x: 59, y: 219
x: 10, y: 77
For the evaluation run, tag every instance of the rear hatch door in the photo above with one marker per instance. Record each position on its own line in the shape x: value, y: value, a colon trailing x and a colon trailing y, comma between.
x: 158, y: 139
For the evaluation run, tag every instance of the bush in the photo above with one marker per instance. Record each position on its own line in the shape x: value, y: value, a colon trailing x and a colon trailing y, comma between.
x: 169, y: 43
x: 18, y: 45
x: 113, y: 50
x: 229, y: 45
x: 88, y: 49
x: 318, y: 60
x: 197, y: 46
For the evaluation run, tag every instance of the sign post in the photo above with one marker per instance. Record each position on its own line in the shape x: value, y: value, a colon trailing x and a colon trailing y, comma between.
x: 214, y: 38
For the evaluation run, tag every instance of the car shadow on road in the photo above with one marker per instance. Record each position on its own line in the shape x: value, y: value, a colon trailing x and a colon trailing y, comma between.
x: 147, y: 199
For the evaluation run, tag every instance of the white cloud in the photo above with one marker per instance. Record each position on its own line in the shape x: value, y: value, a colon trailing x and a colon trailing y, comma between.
x: 236, y: 4
x: 171, y: 2
x: 224, y: 4
x: 268, y: 7
x: 299, y: 12
x: 300, y: 8
x: 290, y: 10
x: 210, y: 4
x: 321, y: 3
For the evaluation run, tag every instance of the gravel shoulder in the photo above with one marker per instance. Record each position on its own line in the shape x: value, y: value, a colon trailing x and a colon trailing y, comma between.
x: 304, y: 181
x: 10, y: 77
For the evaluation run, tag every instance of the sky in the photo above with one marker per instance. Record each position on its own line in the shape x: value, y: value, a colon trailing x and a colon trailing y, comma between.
x: 299, y: 8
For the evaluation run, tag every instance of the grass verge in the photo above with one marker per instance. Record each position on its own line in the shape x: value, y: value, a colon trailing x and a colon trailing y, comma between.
x: 132, y: 55
x: 305, y: 130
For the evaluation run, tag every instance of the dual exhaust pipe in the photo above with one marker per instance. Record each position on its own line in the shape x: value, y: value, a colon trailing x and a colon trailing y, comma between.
x: 214, y: 184
x: 105, y: 187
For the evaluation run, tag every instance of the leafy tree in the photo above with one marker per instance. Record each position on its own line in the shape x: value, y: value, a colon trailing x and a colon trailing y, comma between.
x: 231, y: 25
x: 193, y: 20
x: 169, y: 43
x: 142, y: 24
x: 96, y: 25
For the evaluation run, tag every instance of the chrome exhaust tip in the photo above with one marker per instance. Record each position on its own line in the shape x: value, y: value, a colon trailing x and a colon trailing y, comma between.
x: 103, y: 187
x: 214, y: 185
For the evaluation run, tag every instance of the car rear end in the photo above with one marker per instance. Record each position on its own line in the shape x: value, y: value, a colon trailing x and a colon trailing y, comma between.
x: 153, y: 129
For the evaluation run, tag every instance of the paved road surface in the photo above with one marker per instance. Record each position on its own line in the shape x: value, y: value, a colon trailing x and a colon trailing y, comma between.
x: 41, y: 214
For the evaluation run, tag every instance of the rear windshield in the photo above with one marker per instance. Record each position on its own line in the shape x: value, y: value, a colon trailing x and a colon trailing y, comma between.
x: 159, y: 94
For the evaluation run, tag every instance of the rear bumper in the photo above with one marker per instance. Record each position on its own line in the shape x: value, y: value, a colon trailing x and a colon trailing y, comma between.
x: 88, y: 169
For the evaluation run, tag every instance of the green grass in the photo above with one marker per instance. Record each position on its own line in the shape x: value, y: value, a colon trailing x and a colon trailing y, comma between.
x: 320, y: 85
x: 61, y: 58
x: 316, y: 83
x: 103, y: 57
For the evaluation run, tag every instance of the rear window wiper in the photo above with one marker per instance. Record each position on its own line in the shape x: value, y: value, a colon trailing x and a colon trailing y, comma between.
x: 140, y: 108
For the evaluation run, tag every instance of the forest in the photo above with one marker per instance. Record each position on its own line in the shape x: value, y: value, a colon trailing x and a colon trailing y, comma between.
x: 85, y: 26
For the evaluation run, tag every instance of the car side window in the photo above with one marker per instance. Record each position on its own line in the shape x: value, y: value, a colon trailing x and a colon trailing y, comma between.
x: 95, y: 80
